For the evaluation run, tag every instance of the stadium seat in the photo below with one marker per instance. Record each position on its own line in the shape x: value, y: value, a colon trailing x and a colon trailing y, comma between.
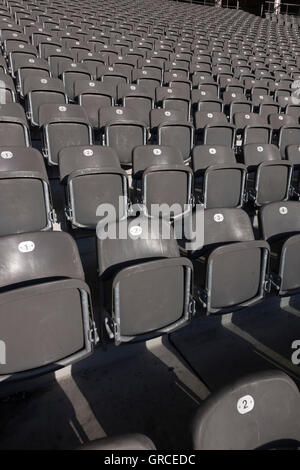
x: 14, y: 129
x: 92, y: 96
x: 161, y: 177
x: 127, y: 442
x: 260, y: 411
x: 22, y: 172
x: 92, y: 176
x: 230, y: 266
x: 63, y: 126
x: 269, y: 177
x: 280, y: 226
x: 132, y: 266
x: 219, y: 179
x: 123, y: 130
x: 50, y: 301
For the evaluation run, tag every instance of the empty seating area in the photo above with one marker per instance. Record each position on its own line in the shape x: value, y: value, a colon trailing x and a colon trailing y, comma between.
x: 185, y: 120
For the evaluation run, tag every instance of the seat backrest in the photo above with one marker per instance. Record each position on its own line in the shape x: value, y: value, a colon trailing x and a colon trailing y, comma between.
x: 83, y: 157
x: 118, y: 114
x: 259, y: 411
x: 136, y: 240
x: 254, y: 154
x: 60, y: 113
x: 160, y: 116
x: 279, y: 219
x: 152, y: 155
x: 204, y: 156
x: 242, y: 120
x: 226, y: 226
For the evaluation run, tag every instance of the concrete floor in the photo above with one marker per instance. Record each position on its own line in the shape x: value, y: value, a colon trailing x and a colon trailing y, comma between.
x: 153, y: 387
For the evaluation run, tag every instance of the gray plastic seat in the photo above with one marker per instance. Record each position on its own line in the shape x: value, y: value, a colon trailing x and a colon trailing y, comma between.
x: 170, y: 128
x: 269, y: 177
x: 38, y: 91
x: 253, y: 127
x: 143, y: 259
x: 161, y: 178
x: 123, y: 130
x: 126, y: 442
x: 229, y: 264
x: 8, y: 92
x: 137, y: 97
x: 93, y: 176
x: 276, y: 121
x: 63, y: 126
x: 219, y: 179
x: 47, y: 297
x: 92, y: 96
x: 280, y: 226
x: 169, y: 98
x: 71, y: 73
x: 24, y: 191
x: 28, y: 67
x: 13, y: 126
x: 288, y: 135
x: 219, y: 134
x: 260, y: 411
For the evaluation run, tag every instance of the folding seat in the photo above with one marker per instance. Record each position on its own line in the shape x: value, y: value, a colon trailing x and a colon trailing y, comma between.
x: 93, y: 96
x: 269, y: 177
x: 123, y: 130
x: 50, y: 301
x: 219, y: 179
x: 38, y: 91
x: 8, y: 92
x: 293, y: 111
x: 217, y: 133
x: 147, y: 78
x: 203, y: 118
x: 126, y: 442
x: 280, y: 226
x: 203, y: 101
x: 30, y: 67
x: 13, y: 126
x: 170, y: 98
x: 170, y: 127
x: 139, y: 260
x: 161, y: 177
x: 288, y: 135
x: 70, y: 74
x: 253, y: 128
x: 241, y: 415
x: 59, y: 60
x: 63, y: 126
x: 276, y: 121
x: 238, y: 105
x: 137, y: 97
x: 92, y: 176
x: 23, y: 173
x: 47, y: 46
x: 230, y: 268
x: 17, y: 51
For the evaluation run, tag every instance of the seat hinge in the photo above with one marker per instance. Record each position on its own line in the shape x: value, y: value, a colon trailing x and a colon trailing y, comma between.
x: 29, y: 115
x: 93, y: 334
x: 202, y: 297
x: 192, y: 306
x: 294, y: 192
x: 69, y: 214
x: 45, y: 153
x: 110, y: 327
x: 53, y: 216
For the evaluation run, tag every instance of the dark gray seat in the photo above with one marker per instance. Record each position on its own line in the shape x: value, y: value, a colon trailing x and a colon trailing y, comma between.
x: 93, y: 96
x: 161, y: 178
x: 125, y: 442
x: 280, y: 226
x: 142, y: 257
x: 137, y: 97
x: 38, y: 91
x: 63, y: 126
x: 123, y: 130
x: 14, y: 129
x: 30, y: 67
x: 93, y: 176
x: 71, y: 73
x: 24, y: 191
x: 261, y: 411
x: 229, y: 264
x: 269, y: 177
x: 219, y: 179
x: 47, y: 297
x: 288, y: 135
